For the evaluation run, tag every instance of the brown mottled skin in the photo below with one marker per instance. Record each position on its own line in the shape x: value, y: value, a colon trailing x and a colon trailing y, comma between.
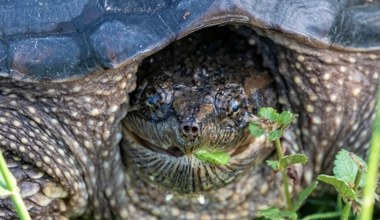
x: 73, y: 156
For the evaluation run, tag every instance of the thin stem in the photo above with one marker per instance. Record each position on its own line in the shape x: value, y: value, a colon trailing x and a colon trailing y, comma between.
x: 12, y: 187
x: 347, y: 206
x: 285, y: 180
x: 373, y: 162
x: 339, y: 202
x: 279, y: 149
x: 346, y: 211
x: 358, y: 176
x: 322, y: 216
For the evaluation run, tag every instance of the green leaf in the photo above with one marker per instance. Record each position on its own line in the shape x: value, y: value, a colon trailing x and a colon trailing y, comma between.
x: 274, y: 164
x: 268, y: 113
x: 285, y: 118
x: 302, y: 196
x: 293, y: 159
x: 342, y: 187
x: 255, y: 130
x: 275, y: 135
x: 277, y: 214
x: 345, y: 168
x: 214, y: 157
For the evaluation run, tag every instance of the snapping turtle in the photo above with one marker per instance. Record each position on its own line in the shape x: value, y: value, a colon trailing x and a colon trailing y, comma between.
x: 67, y: 68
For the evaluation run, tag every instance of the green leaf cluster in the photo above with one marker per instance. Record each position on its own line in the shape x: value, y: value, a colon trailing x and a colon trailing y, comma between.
x: 349, y: 169
x: 284, y: 118
x: 287, y: 161
x: 349, y: 177
x: 271, y: 122
x: 347, y: 165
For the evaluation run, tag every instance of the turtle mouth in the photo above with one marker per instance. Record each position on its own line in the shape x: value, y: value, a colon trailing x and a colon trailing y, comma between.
x: 182, y: 172
x: 176, y: 151
x: 173, y: 151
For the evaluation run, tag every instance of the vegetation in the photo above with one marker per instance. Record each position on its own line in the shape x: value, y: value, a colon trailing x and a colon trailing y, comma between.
x: 348, y: 179
x: 350, y: 171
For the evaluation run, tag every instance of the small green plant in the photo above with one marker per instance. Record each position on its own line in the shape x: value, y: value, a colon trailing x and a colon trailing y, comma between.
x: 349, y: 169
x: 349, y: 178
x: 273, y: 124
x: 8, y: 187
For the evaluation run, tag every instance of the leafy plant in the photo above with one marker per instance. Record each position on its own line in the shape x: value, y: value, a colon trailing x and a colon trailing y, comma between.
x: 273, y: 124
x: 349, y: 177
x: 349, y: 169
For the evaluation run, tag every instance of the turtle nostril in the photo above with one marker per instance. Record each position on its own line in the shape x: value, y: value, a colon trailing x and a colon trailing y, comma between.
x: 194, y: 130
x: 186, y: 128
x: 190, y: 129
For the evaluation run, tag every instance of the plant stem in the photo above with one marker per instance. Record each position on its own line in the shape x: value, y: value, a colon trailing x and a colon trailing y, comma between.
x: 346, y: 211
x: 280, y: 155
x: 339, y: 202
x: 373, y: 163
x: 347, y: 206
x: 11, y: 185
x: 322, y: 216
x: 285, y: 180
x: 358, y: 176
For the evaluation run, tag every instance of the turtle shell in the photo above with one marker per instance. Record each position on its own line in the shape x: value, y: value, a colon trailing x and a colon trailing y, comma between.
x: 59, y: 40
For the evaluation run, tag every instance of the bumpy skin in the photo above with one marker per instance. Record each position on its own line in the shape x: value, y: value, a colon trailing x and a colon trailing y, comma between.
x: 54, y: 137
x: 334, y: 94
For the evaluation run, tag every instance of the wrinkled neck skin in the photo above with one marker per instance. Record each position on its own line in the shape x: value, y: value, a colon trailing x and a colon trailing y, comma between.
x: 71, y: 156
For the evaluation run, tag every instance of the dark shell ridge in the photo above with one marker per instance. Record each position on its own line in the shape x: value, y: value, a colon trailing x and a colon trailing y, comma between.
x: 62, y: 39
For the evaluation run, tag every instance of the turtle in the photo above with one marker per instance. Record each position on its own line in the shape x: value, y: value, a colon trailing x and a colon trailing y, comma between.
x: 105, y: 103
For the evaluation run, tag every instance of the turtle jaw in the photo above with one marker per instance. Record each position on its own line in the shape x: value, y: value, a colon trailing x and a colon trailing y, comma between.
x: 185, y: 174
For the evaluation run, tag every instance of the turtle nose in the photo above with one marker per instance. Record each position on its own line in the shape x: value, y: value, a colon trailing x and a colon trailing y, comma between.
x: 190, y: 128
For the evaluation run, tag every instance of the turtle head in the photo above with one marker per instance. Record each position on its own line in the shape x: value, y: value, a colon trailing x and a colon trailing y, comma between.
x: 189, y: 111
x: 174, y: 114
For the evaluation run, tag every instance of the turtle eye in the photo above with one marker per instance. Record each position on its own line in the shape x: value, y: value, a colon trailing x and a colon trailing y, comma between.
x: 156, y: 106
x: 234, y: 106
x: 151, y: 100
